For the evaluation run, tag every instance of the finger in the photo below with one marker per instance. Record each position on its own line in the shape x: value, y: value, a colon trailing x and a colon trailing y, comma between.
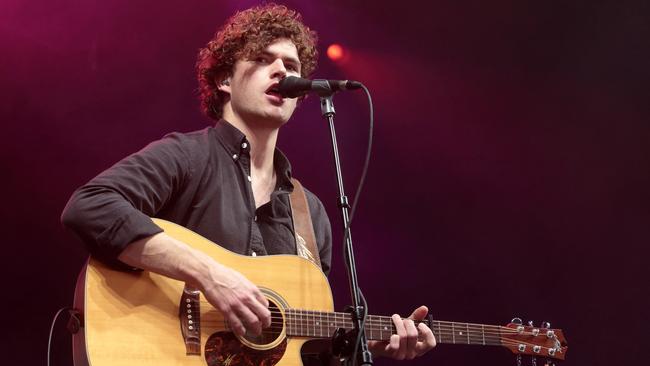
x: 419, y: 313
x: 235, y: 324
x: 401, y: 332
x: 392, y: 346
x: 256, y: 301
x: 260, y: 309
x: 260, y: 297
x: 249, y: 319
x: 428, y: 340
x: 411, y: 338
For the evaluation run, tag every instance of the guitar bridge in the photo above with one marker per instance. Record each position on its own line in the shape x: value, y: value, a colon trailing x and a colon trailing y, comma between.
x: 189, y: 314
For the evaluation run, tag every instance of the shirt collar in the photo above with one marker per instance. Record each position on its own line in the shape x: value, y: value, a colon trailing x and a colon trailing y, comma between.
x: 235, y: 142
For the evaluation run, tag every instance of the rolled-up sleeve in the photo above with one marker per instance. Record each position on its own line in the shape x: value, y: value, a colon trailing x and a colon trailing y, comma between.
x: 114, y: 208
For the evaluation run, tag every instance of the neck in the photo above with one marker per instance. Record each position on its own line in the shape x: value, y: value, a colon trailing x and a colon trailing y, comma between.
x: 319, y: 324
x: 262, y: 138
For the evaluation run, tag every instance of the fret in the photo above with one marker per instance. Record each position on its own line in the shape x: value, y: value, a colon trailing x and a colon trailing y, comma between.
x: 440, y: 331
x: 388, y: 326
x: 336, y: 320
x: 310, y: 323
x: 301, y: 323
x: 453, y: 334
x: 332, y: 323
x: 483, y: 333
x: 314, y: 322
x: 288, y: 316
x: 320, y: 323
x: 467, y: 327
x: 330, y: 331
x: 376, y: 324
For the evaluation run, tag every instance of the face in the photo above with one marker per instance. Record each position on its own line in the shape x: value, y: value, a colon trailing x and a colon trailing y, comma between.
x: 252, y: 95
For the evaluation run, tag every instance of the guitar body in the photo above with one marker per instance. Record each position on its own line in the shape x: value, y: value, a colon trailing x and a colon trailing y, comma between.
x: 133, y: 318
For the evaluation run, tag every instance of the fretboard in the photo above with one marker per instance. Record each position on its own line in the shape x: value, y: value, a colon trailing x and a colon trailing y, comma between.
x: 317, y: 324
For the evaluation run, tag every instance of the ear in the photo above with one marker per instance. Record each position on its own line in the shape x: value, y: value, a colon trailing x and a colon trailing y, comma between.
x: 224, y: 85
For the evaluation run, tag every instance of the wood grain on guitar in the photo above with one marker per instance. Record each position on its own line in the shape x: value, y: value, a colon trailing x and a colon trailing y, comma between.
x: 147, y: 319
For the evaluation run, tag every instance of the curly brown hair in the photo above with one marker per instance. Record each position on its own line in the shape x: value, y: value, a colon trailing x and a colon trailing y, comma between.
x: 244, y: 35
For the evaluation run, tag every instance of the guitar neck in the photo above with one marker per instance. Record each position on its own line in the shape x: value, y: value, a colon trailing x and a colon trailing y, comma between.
x: 317, y: 324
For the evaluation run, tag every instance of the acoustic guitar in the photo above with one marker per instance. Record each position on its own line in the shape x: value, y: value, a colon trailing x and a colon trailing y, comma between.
x: 146, y: 319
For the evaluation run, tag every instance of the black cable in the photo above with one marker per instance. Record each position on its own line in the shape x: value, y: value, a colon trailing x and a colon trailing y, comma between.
x: 49, y: 341
x: 366, y: 163
x: 357, y: 194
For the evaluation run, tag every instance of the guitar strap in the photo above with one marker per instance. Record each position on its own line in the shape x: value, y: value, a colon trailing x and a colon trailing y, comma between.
x: 302, y: 225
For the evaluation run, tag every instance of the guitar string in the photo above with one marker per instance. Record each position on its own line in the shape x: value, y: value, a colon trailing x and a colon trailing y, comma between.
x: 489, y: 340
x: 373, y: 319
x: 455, y: 328
x: 492, y: 338
x: 374, y: 324
x: 293, y: 329
x: 447, y: 331
x: 314, y: 330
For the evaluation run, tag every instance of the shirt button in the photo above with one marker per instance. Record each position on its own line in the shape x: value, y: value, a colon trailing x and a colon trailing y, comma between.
x: 255, y: 218
x: 244, y: 145
x: 234, y: 157
x: 250, y: 179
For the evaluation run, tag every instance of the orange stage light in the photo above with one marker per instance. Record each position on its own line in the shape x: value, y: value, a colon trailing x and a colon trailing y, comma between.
x: 335, y: 52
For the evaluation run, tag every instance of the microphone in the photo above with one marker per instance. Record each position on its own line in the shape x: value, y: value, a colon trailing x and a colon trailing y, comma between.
x: 292, y: 87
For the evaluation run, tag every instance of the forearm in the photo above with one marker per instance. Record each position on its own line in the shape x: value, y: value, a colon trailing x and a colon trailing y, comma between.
x: 170, y: 257
x: 241, y: 302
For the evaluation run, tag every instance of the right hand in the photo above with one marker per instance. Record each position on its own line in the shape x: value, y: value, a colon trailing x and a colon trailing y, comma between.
x: 238, y: 299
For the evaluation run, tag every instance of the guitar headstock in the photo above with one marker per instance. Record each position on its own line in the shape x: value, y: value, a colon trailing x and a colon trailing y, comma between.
x: 534, y: 341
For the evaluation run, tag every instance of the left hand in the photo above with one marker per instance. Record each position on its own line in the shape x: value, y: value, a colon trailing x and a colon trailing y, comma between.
x: 410, y: 341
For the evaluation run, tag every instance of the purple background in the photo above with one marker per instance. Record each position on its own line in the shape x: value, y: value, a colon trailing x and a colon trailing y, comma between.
x: 509, y: 177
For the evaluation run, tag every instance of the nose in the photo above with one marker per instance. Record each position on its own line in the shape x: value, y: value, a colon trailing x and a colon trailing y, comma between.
x: 278, y: 69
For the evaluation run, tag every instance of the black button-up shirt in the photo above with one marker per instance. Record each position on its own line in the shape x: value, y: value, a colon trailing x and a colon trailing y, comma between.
x: 200, y: 180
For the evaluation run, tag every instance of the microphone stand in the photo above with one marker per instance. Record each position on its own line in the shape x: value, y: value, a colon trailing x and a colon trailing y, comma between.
x: 365, y: 357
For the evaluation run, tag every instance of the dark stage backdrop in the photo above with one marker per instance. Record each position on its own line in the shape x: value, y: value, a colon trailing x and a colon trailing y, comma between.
x: 509, y: 177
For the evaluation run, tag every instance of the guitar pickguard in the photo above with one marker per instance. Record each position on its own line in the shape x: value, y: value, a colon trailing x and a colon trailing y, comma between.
x: 224, y: 349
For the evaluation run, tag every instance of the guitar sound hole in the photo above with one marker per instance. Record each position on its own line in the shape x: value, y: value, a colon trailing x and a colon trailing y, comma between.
x: 270, y: 334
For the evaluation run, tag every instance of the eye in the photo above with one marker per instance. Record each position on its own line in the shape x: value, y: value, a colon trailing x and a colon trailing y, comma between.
x: 261, y: 60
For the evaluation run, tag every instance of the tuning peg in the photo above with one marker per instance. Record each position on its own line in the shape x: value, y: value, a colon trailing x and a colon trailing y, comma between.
x: 533, y: 361
x: 546, y: 325
x: 516, y: 321
x: 530, y: 323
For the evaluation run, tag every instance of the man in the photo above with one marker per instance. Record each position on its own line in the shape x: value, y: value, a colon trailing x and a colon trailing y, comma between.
x: 228, y: 183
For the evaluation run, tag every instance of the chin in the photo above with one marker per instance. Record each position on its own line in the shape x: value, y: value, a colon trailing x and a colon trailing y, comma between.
x: 279, y: 118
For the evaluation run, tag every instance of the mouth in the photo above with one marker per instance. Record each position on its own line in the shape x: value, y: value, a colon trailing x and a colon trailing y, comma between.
x: 274, y: 91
